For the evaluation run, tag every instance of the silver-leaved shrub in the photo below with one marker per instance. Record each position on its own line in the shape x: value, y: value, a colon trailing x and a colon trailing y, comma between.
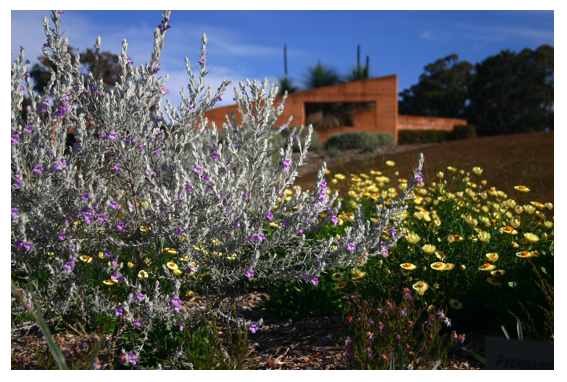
x: 139, y: 212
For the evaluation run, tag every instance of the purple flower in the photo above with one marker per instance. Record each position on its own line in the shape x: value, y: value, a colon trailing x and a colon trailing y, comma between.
x: 461, y: 338
x: 447, y: 321
x: 118, y: 312
x: 107, y: 253
x: 188, y: 187
x: 315, y: 281
x: 129, y: 61
x: 101, y: 218
x: 250, y: 273
x: 19, y: 243
x: 28, y: 129
x: 60, y: 12
x: 85, y: 196
x: 46, y: 102
x: 220, y: 99
x: 17, y: 184
x: 156, y: 69
x: 215, y: 155
x: 334, y: 219
x: 61, y: 236
x: 252, y: 238
x: 286, y: 163
x: 15, y: 138
x: 245, y: 196
x: 419, y: 179
x: 176, y: 302
x: 15, y: 212
x: 198, y: 169
x: 202, y: 61
x: 188, y: 270
x: 206, y: 178
x: 350, y: 247
x: 42, y: 110
x: 114, y: 204
x: 297, y: 138
x: 38, y: 169
x: 27, y: 74
x: 260, y: 237
x: 380, y: 326
x: 269, y: 216
x: 120, y: 227
x: 113, y: 135
x: 397, y: 337
x: 137, y: 322
x: 253, y: 328
x: 393, y: 231
x: 69, y: 265
x: 179, y: 231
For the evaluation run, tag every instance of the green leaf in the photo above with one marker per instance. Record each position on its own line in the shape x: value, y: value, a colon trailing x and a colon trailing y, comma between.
x: 505, y: 332
x: 543, y: 270
x: 481, y: 359
x: 519, y: 329
x: 512, y: 284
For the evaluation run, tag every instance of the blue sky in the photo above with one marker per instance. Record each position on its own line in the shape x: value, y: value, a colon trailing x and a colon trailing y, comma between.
x: 249, y: 44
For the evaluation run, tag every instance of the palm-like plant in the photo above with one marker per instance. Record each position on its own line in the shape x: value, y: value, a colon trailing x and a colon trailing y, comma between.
x: 321, y: 75
x: 285, y: 83
x: 359, y: 72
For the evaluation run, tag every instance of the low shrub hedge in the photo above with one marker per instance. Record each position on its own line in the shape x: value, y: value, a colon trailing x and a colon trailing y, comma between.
x: 359, y: 140
x: 408, y: 137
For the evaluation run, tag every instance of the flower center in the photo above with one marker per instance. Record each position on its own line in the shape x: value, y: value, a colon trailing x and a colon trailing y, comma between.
x: 456, y: 236
x: 438, y: 265
x: 509, y: 228
x: 497, y: 273
x: 408, y: 265
x: 522, y: 187
x: 525, y: 253
x: 420, y: 285
x: 486, y: 265
x: 456, y: 303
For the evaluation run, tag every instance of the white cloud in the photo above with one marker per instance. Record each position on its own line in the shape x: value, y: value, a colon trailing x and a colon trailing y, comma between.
x: 502, y: 33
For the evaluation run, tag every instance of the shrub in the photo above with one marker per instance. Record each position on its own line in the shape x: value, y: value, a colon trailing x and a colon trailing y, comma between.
x: 462, y: 132
x: 127, y: 222
x: 358, y: 140
x: 286, y: 132
x: 412, y: 137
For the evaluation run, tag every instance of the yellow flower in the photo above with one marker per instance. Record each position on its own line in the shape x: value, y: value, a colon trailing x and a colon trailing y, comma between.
x: 340, y: 176
x: 455, y: 304
x: 337, y: 276
x: 508, y: 230
x: 455, y: 239
x: 428, y: 249
x: 530, y: 237
x: 529, y: 209
x: 390, y: 163
x: 486, y: 267
x: 288, y: 192
x: 357, y: 274
x: 340, y: 285
x: 177, y: 272
x: 514, y: 245
x: 101, y: 255
x: 525, y: 254
x: 109, y: 282
x: 440, y: 255
x: 492, y: 257
x: 190, y: 295
x: 537, y: 205
x: 171, y: 251
x: 420, y: 287
x: 142, y: 275
x: 463, y: 267
x: 87, y: 259
x: 548, y: 206
x: 328, y: 172
x: 540, y: 215
x: 484, y: 237
x: 439, y: 266
x: 522, y: 189
x: 477, y: 170
x: 145, y: 228
x: 452, y: 169
x: 412, y: 238
x: 494, y: 281
x: 498, y: 273
x: 450, y: 266
x: 130, y: 265
x: 440, y: 175
x: 408, y: 266
x: 548, y: 224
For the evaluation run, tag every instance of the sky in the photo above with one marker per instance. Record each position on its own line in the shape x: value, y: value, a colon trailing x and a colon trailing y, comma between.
x: 249, y: 44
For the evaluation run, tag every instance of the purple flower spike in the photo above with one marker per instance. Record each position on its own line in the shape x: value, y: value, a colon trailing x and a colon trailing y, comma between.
x: 198, y: 169
x: 155, y: 70
x: 350, y: 247
x: 253, y: 328
x: 15, y: 138
x: 179, y: 231
x: 61, y: 236
x: 15, y: 212
x: 28, y: 129
x: 419, y: 179
x: 335, y: 220
x: 215, y: 155
x: 286, y: 163
x: 202, y: 61
x: 250, y: 273
x: 85, y: 196
x: 269, y: 216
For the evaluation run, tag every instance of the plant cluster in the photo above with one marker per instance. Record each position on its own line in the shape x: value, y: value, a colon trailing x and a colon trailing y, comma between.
x: 138, y: 216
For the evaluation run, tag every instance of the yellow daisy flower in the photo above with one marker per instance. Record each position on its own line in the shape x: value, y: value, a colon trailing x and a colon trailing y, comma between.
x: 408, y: 266
x: 390, y: 163
x: 522, y: 189
x: 477, y: 170
x: 340, y: 286
x: 101, y: 255
x: 494, y: 281
x: 524, y: 254
x: 130, y: 265
x: 509, y: 230
x: 548, y: 206
x: 484, y: 236
x: 455, y: 239
x: 487, y: 267
x: 498, y: 273
x: 492, y: 257
x: 337, y: 276
x: 450, y: 266
x: 340, y: 176
x: 420, y: 287
x: 440, y: 255
x: 170, y: 251
x: 177, y: 272
x: 538, y: 205
x: 142, y: 275
x: 145, y: 228
x: 439, y: 266
x: 455, y: 304
x: 412, y: 238
x: 452, y: 169
x: 530, y: 237
x: 109, y: 282
x: 428, y: 249
x: 87, y: 259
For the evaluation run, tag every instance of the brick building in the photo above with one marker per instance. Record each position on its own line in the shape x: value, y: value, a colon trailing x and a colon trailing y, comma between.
x: 379, y: 116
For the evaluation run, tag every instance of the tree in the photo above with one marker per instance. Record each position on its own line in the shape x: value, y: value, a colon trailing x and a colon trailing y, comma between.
x: 108, y: 66
x: 441, y: 90
x: 513, y: 93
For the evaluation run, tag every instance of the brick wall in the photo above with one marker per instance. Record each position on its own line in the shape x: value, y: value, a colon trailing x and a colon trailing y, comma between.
x: 408, y: 122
